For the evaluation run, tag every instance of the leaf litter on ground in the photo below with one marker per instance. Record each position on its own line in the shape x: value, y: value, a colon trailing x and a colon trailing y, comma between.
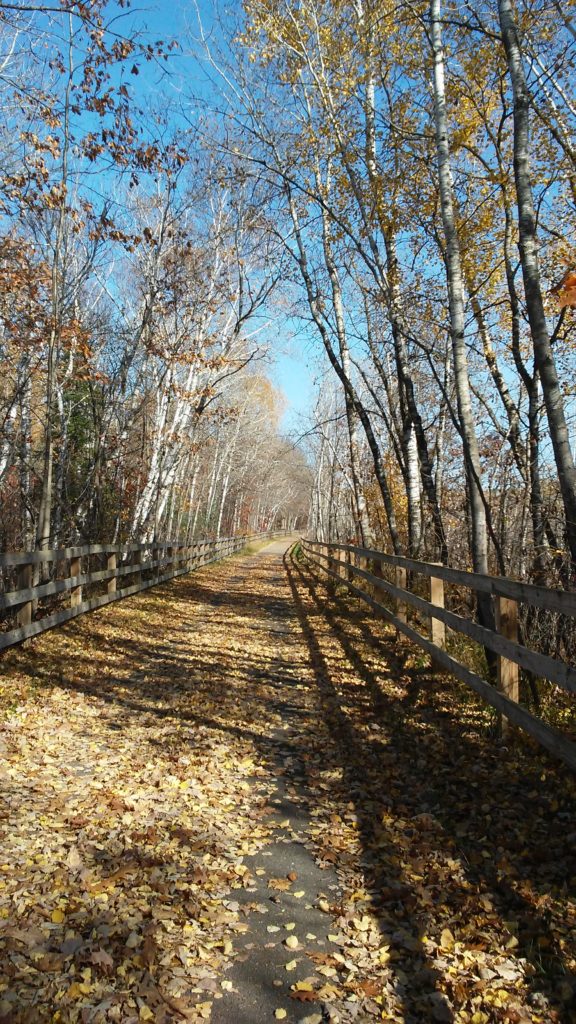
x: 137, y: 771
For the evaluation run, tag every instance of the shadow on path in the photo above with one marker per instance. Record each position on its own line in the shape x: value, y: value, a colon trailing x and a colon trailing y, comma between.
x: 437, y: 837
x: 499, y: 825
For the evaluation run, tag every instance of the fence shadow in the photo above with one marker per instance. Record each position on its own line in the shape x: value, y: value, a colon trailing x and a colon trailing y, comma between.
x: 422, y: 787
x: 492, y: 817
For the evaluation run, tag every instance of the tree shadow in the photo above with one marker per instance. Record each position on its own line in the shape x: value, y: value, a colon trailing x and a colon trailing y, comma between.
x: 497, y: 818
x: 420, y: 786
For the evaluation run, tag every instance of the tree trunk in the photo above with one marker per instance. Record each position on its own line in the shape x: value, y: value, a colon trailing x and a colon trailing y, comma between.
x: 543, y: 354
x: 351, y: 414
x: 455, y: 282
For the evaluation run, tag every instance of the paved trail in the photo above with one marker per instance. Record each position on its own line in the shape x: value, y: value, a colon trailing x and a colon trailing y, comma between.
x: 164, y: 836
x: 261, y: 983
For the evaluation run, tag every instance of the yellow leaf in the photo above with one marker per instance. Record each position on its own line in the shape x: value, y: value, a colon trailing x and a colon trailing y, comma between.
x: 291, y: 942
x: 280, y: 1013
x: 291, y: 965
x: 447, y: 939
x: 57, y: 916
x: 328, y: 972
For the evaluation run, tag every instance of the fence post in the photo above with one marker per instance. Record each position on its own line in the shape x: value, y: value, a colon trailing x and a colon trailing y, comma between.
x: 24, y: 582
x: 349, y: 558
x: 401, y: 608
x: 111, y: 564
x: 170, y: 557
x: 375, y: 567
x: 76, y: 592
x: 136, y: 563
x: 437, y: 627
x: 331, y: 562
x: 508, y: 675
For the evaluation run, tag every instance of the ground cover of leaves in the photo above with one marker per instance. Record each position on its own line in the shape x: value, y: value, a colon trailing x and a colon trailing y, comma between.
x: 138, y: 790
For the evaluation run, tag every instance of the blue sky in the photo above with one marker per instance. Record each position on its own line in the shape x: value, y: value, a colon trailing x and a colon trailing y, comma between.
x: 293, y: 352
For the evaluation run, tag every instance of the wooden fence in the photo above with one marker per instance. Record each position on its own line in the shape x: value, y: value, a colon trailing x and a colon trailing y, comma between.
x: 503, y: 641
x: 90, y: 574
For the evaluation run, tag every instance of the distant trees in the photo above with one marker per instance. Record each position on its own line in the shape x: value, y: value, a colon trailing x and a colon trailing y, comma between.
x: 406, y: 171
x: 135, y: 273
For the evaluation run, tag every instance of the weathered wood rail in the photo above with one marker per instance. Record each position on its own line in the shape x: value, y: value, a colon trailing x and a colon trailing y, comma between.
x: 79, y: 572
x: 503, y: 641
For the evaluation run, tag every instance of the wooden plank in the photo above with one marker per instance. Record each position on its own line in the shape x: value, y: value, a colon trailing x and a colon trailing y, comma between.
x: 563, y: 601
x: 14, y: 558
x: 15, y: 636
x: 549, y: 738
x: 11, y: 558
x: 27, y: 630
x: 15, y: 597
x: 556, y: 671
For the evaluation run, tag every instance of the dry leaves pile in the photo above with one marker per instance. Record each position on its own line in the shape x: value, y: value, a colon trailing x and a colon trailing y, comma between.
x: 136, y: 775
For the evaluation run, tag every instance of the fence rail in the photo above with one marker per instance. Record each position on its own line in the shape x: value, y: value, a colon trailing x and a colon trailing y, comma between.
x: 503, y: 641
x: 74, y: 570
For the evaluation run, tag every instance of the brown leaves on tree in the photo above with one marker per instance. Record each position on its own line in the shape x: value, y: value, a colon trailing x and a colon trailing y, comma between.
x: 565, y: 290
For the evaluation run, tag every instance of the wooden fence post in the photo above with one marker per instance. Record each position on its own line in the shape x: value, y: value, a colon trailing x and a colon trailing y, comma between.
x: 76, y: 592
x: 437, y: 627
x: 508, y: 675
x: 136, y: 563
x: 375, y: 567
x: 111, y: 564
x: 331, y: 564
x: 350, y: 560
x: 24, y: 582
x: 401, y: 608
